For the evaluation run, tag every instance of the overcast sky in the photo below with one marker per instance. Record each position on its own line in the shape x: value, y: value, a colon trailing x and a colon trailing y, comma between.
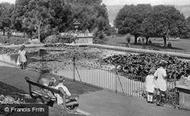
x: 122, y: 2
x: 153, y: 2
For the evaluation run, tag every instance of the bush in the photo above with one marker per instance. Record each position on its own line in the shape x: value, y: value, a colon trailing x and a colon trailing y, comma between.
x: 99, y: 37
x: 13, y: 40
x: 59, y: 39
x: 66, y: 38
x: 51, y: 39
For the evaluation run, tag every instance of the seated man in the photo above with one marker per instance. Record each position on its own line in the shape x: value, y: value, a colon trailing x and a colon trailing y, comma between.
x: 71, y: 103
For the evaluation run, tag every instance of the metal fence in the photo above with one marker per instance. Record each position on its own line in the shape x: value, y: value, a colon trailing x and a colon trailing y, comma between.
x: 105, y: 78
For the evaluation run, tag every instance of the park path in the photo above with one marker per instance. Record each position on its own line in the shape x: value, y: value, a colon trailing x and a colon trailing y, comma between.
x: 27, y: 45
x: 107, y: 103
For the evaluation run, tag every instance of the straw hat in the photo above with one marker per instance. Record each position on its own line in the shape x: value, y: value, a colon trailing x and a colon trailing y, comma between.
x: 163, y: 63
x: 152, y: 70
x: 22, y: 47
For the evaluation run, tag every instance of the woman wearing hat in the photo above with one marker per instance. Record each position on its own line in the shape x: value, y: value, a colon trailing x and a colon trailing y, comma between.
x: 71, y: 103
x: 161, y: 82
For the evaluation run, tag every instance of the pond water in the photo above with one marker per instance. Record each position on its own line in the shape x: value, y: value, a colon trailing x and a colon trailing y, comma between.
x: 10, y: 59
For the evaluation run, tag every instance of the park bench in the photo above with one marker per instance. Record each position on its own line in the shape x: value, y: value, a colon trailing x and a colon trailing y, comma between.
x: 44, y: 93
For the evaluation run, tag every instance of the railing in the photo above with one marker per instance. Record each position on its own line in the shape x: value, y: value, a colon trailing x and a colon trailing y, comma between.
x: 107, y: 78
x: 104, y: 79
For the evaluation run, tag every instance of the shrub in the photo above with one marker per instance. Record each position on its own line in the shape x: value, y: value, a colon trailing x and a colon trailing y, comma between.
x: 66, y: 38
x: 13, y: 40
x: 51, y: 39
x: 59, y: 39
x: 99, y: 37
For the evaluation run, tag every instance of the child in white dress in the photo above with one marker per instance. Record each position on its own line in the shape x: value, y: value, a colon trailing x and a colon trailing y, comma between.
x: 150, y: 85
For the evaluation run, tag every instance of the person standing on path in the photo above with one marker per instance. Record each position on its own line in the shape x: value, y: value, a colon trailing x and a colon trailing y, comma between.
x: 150, y: 85
x: 128, y: 39
x: 22, y: 57
x: 160, y: 83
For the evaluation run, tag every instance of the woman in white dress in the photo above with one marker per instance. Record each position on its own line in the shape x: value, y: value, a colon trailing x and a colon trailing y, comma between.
x: 22, y: 57
x: 160, y: 82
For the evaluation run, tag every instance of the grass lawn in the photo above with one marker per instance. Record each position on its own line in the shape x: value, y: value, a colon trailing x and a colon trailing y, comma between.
x: 12, y: 81
x: 182, y: 45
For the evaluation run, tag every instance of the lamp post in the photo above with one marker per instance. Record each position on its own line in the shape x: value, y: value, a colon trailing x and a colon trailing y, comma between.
x: 76, y: 24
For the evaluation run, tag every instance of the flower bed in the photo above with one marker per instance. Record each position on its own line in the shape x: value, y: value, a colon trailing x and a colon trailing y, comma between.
x: 4, y: 50
x: 13, y: 40
x: 140, y: 65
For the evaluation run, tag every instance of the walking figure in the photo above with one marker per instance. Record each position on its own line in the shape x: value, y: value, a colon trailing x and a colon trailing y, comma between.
x: 22, y: 60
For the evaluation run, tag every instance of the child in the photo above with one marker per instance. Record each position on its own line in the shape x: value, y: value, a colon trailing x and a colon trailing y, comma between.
x: 71, y: 103
x: 150, y: 85
x: 188, y: 74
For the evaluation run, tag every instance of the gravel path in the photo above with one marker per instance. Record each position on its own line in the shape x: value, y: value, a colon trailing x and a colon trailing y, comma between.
x: 106, y: 103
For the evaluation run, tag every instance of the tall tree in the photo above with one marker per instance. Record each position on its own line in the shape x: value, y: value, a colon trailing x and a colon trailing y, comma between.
x: 187, y: 27
x: 60, y: 14
x: 164, y: 21
x: 130, y: 18
x: 6, y: 11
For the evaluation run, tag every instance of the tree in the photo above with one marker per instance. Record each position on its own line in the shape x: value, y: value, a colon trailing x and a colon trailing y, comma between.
x: 6, y: 11
x: 48, y: 15
x: 164, y: 21
x: 37, y: 17
x: 187, y: 34
x: 130, y: 18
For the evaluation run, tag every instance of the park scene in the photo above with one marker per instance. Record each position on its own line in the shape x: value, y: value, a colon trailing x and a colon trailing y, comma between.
x: 95, y: 58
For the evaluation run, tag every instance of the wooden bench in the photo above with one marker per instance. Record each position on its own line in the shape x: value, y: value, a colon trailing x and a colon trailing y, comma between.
x: 46, y: 95
x: 43, y: 93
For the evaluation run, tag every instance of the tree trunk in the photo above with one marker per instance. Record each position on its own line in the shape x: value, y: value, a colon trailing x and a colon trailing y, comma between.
x: 135, y: 39
x: 165, y: 41
x: 147, y: 38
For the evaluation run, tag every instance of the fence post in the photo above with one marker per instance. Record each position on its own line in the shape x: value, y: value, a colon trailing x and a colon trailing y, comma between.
x: 74, y: 65
x: 115, y: 81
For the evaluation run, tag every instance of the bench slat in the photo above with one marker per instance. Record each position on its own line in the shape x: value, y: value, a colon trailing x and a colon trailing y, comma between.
x: 40, y: 93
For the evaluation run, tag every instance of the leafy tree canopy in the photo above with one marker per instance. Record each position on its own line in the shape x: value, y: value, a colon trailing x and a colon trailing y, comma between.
x: 58, y: 15
x: 151, y: 21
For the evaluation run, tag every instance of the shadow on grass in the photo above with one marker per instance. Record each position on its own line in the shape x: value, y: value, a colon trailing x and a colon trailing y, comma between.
x: 6, y: 89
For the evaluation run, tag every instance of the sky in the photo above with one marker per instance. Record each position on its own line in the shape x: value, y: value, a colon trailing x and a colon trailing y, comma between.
x: 122, y: 2
x: 152, y: 2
